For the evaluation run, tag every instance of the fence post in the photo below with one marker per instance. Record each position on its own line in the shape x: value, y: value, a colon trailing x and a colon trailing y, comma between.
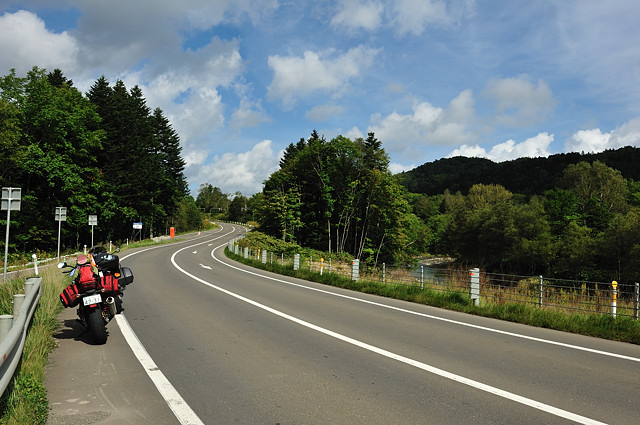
x: 355, y: 269
x: 264, y: 257
x: 474, y: 286
x: 421, y: 277
x: 246, y: 252
x: 540, y: 291
x: 636, y: 302
x: 321, y: 265
x: 296, y: 261
x: 384, y: 272
x: 614, y: 284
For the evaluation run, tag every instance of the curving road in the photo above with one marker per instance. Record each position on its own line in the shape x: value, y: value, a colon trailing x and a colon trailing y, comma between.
x: 216, y: 342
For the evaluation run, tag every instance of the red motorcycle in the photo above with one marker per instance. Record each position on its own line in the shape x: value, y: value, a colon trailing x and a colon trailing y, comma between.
x: 97, y: 289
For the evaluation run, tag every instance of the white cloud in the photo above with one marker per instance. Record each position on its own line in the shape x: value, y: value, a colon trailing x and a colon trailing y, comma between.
x: 533, y: 147
x: 426, y: 125
x: 354, y: 14
x: 396, y: 168
x: 519, y: 102
x: 323, y: 112
x: 25, y: 42
x: 595, y: 140
x: 353, y: 134
x: 243, y: 172
x: 295, y: 77
x: 414, y: 16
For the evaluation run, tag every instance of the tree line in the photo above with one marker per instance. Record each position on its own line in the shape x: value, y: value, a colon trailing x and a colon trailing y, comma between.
x: 105, y: 153
x: 525, y: 176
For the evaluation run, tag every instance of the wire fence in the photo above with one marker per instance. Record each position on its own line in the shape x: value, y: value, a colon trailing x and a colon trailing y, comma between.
x: 571, y: 296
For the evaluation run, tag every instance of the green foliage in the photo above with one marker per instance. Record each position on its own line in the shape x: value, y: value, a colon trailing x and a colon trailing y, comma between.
x: 527, y: 176
x: 105, y: 153
x: 339, y: 196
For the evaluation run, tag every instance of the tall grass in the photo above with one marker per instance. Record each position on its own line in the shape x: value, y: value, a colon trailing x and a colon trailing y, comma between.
x: 25, y: 399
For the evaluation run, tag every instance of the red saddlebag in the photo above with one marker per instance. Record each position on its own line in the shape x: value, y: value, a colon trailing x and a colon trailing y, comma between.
x: 109, y: 283
x: 68, y: 297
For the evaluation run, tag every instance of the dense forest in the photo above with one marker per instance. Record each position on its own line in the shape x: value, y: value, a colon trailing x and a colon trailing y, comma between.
x: 105, y: 153
x: 525, y: 176
x: 572, y: 216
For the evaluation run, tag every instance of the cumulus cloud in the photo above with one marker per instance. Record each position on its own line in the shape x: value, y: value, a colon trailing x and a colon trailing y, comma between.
x: 414, y: 16
x: 426, y: 125
x: 595, y: 140
x: 25, y: 42
x: 519, y: 102
x: 354, y: 15
x: 533, y: 147
x: 323, y: 112
x: 353, y: 134
x: 244, y: 172
x: 295, y: 77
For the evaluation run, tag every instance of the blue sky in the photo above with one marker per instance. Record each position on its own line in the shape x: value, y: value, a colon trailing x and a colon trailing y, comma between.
x: 241, y: 79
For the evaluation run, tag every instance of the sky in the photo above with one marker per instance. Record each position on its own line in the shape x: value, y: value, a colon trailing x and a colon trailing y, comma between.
x: 242, y: 79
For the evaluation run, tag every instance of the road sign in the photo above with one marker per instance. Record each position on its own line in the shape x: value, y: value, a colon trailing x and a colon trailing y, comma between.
x: 93, y: 220
x: 11, y: 198
x: 61, y: 214
x: 10, y: 202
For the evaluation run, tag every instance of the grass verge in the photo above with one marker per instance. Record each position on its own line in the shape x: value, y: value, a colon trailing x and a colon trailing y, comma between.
x: 624, y: 329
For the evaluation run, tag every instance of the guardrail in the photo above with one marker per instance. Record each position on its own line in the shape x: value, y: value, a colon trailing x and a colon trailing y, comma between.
x: 13, y: 329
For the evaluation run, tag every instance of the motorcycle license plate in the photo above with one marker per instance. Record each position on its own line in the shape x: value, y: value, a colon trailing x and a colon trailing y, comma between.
x: 92, y: 299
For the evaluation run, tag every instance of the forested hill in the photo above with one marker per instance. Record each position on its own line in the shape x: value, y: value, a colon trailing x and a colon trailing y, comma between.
x: 527, y: 176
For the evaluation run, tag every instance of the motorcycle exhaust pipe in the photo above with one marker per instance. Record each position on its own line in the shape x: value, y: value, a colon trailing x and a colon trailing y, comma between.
x: 111, y: 305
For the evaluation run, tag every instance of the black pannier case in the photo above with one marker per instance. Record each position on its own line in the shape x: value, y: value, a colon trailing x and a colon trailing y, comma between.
x: 106, y: 261
x: 126, y: 276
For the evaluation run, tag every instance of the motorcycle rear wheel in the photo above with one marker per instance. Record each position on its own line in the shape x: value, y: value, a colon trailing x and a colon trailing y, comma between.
x: 96, y: 325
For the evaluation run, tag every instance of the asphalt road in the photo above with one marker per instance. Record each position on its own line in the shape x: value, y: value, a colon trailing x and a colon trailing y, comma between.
x: 229, y: 344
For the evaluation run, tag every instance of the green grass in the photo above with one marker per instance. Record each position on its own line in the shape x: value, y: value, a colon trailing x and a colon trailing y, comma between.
x: 624, y: 329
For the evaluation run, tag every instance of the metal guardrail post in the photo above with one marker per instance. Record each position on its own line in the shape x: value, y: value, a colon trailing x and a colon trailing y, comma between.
x: 18, y: 299
x: 6, y: 322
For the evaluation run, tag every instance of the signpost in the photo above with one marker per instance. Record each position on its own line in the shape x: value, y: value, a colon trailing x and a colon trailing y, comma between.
x: 93, y: 221
x: 137, y: 228
x: 10, y: 201
x: 61, y: 215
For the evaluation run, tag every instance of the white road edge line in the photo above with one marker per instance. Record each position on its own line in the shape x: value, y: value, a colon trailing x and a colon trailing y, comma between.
x: 174, y: 400
x: 431, y: 369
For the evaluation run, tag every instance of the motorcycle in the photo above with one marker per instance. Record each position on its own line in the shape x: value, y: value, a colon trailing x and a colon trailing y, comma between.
x: 97, y: 289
